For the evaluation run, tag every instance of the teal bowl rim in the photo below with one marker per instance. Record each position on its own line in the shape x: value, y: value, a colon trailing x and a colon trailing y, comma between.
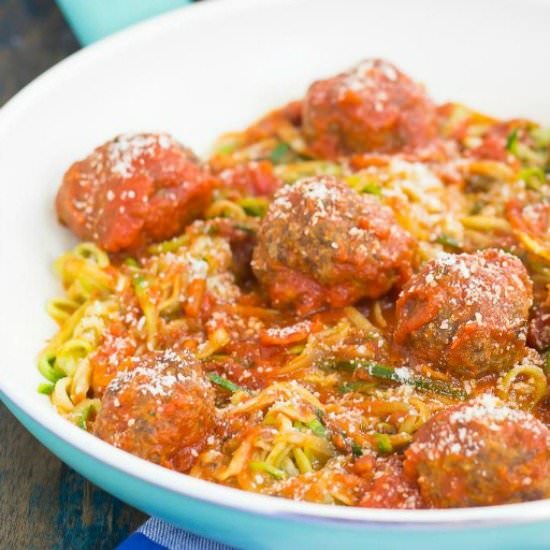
x: 267, y: 506
x: 32, y: 406
x: 200, y: 517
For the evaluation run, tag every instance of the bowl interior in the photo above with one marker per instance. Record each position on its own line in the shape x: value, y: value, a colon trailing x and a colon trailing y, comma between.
x: 212, y: 68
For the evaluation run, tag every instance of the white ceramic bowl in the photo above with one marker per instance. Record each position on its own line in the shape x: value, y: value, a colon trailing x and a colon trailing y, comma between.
x: 198, y: 72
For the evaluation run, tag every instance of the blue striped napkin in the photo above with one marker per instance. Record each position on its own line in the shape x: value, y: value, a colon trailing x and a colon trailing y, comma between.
x: 155, y: 534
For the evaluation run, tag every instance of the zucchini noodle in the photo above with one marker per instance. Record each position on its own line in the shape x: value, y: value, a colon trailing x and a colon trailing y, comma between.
x: 225, y: 208
x: 523, y: 394
x: 486, y: 223
x: 534, y: 246
x: 65, y: 361
x: 378, y: 315
x: 84, y: 274
x: 60, y: 395
x: 216, y: 342
x: 289, y: 441
x: 289, y: 173
x: 360, y: 321
x: 493, y: 170
x: 316, y: 347
x: 60, y: 309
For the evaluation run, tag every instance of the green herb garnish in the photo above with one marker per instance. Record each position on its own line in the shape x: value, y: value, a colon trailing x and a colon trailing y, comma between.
x: 356, y: 449
x: 224, y: 383
x: 512, y: 140
x: 421, y: 383
x: 279, y: 152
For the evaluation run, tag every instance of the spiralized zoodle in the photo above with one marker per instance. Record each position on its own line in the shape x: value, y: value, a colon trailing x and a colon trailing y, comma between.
x: 317, y: 387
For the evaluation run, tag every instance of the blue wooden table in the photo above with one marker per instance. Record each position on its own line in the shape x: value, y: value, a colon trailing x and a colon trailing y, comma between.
x: 43, y: 503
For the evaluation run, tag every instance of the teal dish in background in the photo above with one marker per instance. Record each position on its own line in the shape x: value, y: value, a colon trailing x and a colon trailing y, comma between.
x: 95, y: 19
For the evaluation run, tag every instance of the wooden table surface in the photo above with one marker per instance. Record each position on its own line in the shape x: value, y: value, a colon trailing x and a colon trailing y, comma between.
x: 43, y: 503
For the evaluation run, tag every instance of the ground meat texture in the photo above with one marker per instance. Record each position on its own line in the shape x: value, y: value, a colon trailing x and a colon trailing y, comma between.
x: 466, y: 314
x: 322, y: 243
x: 372, y: 107
x: 161, y: 410
x: 133, y: 190
x: 539, y: 327
x: 480, y: 453
x: 388, y: 486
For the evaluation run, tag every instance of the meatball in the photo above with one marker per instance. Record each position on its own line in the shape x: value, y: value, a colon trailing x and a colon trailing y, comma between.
x: 161, y: 410
x: 388, y: 487
x: 480, y: 453
x: 372, y: 107
x: 466, y: 314
x: 133, y: 190
x: 538, y: 336
x: 322, y: 243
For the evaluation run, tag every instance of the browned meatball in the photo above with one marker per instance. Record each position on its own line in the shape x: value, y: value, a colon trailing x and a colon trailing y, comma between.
x: 322, y: 243
x: 466, y: 313
x: 480, y: 453
x: 133, y: 190
x: 161, y: 410
x: 372, y: 107
x: 388, y: 485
